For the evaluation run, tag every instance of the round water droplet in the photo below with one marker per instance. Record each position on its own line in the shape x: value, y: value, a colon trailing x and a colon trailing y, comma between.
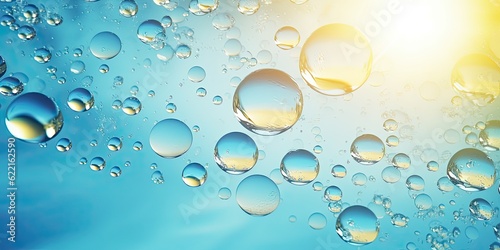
x: 97, y: 164
x: 194, y: 175
x: 171, y: 108
x: 201, y: 92
x: 359, y: 179
x: 357, y: 225
x: 170, y: 138
x: 317, y: 149
x: 77, y: 67
x: 115, y: 171
x: 26, y: 32
x: 476, y: 77
x: 433, y: 166
x: 128, y: 8
x: 11, y: 86
x: 335, y: 207
x: 391, y: 174
x: 117, y: 104
x: 423, y: 202
x: 471, y: 232
x: 299, y: 167
x: 232, y: 47
x: 63, y: 145
x: 223, y: 21
x: 105, y: 45
x: 149, y: 30
x: 292, y: 218
x: 80, y: 100
x: 166, y: 21
x: 137, y: 146
x: 401, y: 160
x: 157, y: 177
x: 415, y: 182
x: 278, y: 107
x: 34, y: 118
x: 224, y: 193
x: 183, y: 51
x: 444, y: 184
x: 236, y: 153
x: 367, y: 149
x: 339, y: 171
x: 317, y: 186
x: 471, y: 139
x: 196, y: 74
x: 114, y: 144
x: 451, y: 136
x: 104, y: 68
x: 490, y: 135
x: 131, y: 106
x: 287, y: 37
x: 317, y: 221
x: 217, y: 100
x: 336, y: 59
x: 481, y: 209
x: 471, y: 170
x: 248, y: 7
x: 3, y: 66
x: 257, y: 195
x: 400, y: 220
x: 333, y: 193
x: 392, y: 141
x: 42, y: 55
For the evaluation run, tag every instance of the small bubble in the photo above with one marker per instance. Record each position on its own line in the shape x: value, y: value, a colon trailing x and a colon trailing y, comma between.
x: 157, y: 177
x: 63, y: 145
x: 115, y: 171
x: 317, y: 221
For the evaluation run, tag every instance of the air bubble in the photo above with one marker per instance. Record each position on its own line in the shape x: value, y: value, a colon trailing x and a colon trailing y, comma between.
x: 257, y: 195
x: 170, y: 138
x: 357, y: 225
x: 105, y: 45
x: 80, y: 100
x: 367, y: 149
x: 63, y: 145
x: 236, y: 153
x: 299, y: 167
x: 471, y: 170
x: 287, y: 37
x: 194, y: 175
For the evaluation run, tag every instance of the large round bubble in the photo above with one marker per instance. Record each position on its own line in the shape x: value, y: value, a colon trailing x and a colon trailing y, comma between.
x: 236, y: 153
x: 471, y: 170
x: 105, y: 45
x: 34, y: 118
x: 357, y: 225
x: 367, y: 149
x: 258, y: 195
x: 170, y: 138
x: 299, y: 167
x: 336, y: 59
x: 267, y: 102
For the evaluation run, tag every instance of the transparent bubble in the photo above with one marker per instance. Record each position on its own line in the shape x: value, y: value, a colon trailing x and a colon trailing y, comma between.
x: 299, y: 167
x: 400, y: 220
x: 97, y: 163
x: 335, y: 207
x: 317, y: 186
x: 3, y: 66
x: 423, y: 202
x: 392, y: 141
x: 236, y: 153
x: 170, y: 138
x: 166, y: 21
x: 80, y: 100
x: 11, y: 86
x: 128, y: 8
x: 149, y: 30
x: 287, y: 37
x: 153, y: 166
x: 317, y: 221
x: 367, y: 149
x: 194, y: 175
x: 248, y: 7
x: 480, y: 125
x: 196, y: 74
x: 359, y: 179
x: 451, y: 136
x: 117, y: 104
x: 207, y: 6
x: 232, y: 47
x: 217, y: 100
x: 444, y: 184
x: 77, y: 67
x: 224, y: 193
x: 471, y: 232
x: 496, y: 230
x: 83, y: 161
x: 42, y: 55
x: 151, y: 93
x: 489, y: 137
x: 433, y: 166
x: 391, y: 174
x: 318, y: 149
x: 223, y: 21
x: 235, y: 81
x: 471, y: 170
x: 105, y: 45
x: 7, y: 20
x: 157, y: 177
x: 115, y: 144
x: 278, y: 107
x: 118, y: 80
x: 481, y: 209
x: 115, y: 171
x: 357, y: 225
x: 53, y: 19
x: 390, y: 125
x: 104, y: 68
x: 401, y: 160
x: 201, y: 92
x: 415, y: 182
x: 339, y: 171
x: 257, y: 195
x: 476, y: 77
x: 495, y: 246
x: 471, y: 139
x: 333, y: 193
x: 183, y: 51
x: 171, y: 108
x: 93, y: 143
x: 26, y: 32
x: 336, y: 59
x: 292, y: 218
x: 137, y: 146
x: 34, y: 118
x: 63, y: 145
x: 131, y: 106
